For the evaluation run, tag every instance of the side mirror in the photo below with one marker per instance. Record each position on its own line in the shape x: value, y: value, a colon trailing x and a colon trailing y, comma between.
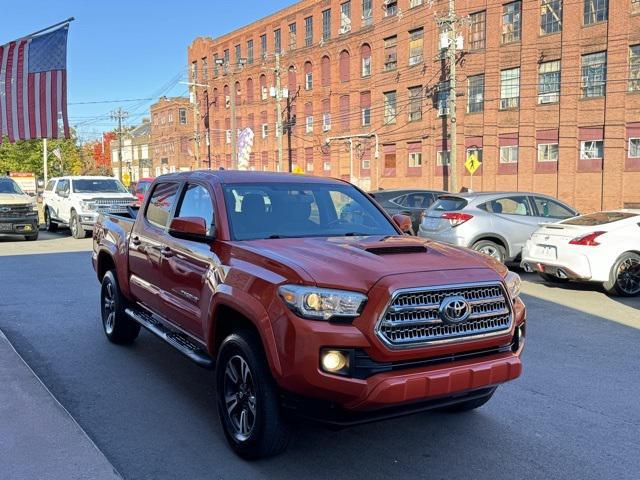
x: 403, y: 222
x: 190, y: 228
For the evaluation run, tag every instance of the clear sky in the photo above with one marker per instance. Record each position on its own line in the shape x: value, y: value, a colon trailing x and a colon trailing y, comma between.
x: 127, y: 49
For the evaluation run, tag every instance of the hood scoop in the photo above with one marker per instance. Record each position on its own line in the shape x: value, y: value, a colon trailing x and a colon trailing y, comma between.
x: 395, y: 249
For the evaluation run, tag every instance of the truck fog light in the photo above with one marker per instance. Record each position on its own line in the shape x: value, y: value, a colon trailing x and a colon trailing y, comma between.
x: 334, y: 361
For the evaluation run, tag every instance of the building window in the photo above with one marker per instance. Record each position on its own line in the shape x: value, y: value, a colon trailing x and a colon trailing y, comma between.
x: 389, y: 107
x: 365, y: 55
x: 415, y: 3
x: 326, y: 121
x: 390, y: 53
x: 510, y: 88
x: 345, y: 112
x: 390, y: 7
x: 293, y: 34
x: 415, y: 103
x: 549, y: 82
x: 194, y: 71
x: 442, y: 158
x: 595, y: 11
x: 634, y: 68
x: 415, y: 159
x: 249, y: 52
x: 442, y: 99
x: 325, y: 71
x: 365, y: 108
x: 511, y: 22
x: 345, y: 17
x: 594, y: 74
x: 634, y: 148
x: 548, y: 152
x: 227, y: 57
x: 277, y: 41
x: 635, y: 7
x: 475, y: 96
x: 308, y: 76
x: 477, y: 30
x: 309, y: 124
x: 509, y: 154
x: 345, y: 66
x: 308, y: 31
x: 205, y: 69
x: 477, y: 151
x: 263, y: 45
x: 591, y: 149
x: 367, y: 13
x: 182, y: 113
x: 550, y: 16
x: 215, y: 65
x: 326, y: 24
x: 416, y: 41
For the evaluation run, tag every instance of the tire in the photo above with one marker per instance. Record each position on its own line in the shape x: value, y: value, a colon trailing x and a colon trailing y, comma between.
x: 491, y: 248
x: 50, y: 224
x: 552, y: 278
x: 469, y: 404
x: 624, y: 279
x: 117, y: 325
x: 77, y: 230
x: 251, y: 418
x: 32, y: 238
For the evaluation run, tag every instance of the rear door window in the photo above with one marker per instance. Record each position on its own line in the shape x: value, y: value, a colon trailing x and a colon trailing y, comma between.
x: 548, y: 208
x: 449, y: 204
x: 599, y: 218
x: 417, y: 200
x: 513, y: 205
x: 161, y: 204
x: 50, y: 185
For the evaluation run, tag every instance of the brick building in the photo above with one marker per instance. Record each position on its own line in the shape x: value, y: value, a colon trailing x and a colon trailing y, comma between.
x: 136, y: 159
x: 548, y: 94
x: 172, y: 136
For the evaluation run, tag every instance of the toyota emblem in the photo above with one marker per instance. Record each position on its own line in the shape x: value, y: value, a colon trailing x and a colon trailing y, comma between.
x: 454, y: 309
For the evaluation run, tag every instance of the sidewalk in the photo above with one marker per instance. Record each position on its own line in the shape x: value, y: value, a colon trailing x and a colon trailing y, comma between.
x: 38, y: 437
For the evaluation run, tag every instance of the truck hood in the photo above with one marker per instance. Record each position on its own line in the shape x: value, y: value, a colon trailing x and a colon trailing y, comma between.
x: 358, y: 263
x: 15, y: 199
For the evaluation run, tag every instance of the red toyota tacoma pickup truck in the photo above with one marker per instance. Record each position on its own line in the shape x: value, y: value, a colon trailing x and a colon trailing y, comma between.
x: 306, y: 298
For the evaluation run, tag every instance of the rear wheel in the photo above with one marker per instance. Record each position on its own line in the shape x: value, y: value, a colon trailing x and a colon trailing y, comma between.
x: 118, y: 326
x: 248, y: 402
x: 50, y: 224
x: 492, y: 249
x: 547, y: 277
x: 469, y: 404
x: 624, y: 279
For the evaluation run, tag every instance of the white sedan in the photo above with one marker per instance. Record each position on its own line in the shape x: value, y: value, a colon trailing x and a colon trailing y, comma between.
x: 601, y: 247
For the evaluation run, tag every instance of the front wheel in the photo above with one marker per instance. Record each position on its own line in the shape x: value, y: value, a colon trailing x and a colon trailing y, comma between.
x: 248, y: 402
x: 50, y: 224
x: 624, y: 280
x: 118, y: 326
x: 77, y: 230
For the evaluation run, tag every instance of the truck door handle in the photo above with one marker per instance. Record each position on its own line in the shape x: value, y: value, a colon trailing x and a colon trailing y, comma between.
x: 136, y: 240
x: 166, y: 252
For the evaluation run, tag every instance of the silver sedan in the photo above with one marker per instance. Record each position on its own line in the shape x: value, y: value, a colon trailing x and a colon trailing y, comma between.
x: 495, y: 223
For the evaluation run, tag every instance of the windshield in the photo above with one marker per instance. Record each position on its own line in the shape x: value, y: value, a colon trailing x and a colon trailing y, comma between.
x: 9, y: 186
x: 98, y: 186
x: 290, y: 210
x: 449, y: 204
x: 599, y: 218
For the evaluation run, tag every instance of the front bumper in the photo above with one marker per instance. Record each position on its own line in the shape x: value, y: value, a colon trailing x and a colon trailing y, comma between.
x: 392, y: 378
x: 88, y: 219
x: 26, y: 225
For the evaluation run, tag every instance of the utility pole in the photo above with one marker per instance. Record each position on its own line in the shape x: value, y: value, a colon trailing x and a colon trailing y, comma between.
x: 207, y: 126
x: 193, y: 97
x: 278, y: 112
x: 234, y: 126
x: 289, y: 126
x: 119, y: 115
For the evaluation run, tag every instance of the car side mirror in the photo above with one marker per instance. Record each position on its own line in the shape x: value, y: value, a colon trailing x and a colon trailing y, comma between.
x: 190, y: 228
x: 403, y: 222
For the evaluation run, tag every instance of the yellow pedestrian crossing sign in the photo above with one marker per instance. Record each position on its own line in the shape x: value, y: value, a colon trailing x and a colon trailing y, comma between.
x: 126, y: 179
x: 472, y: 164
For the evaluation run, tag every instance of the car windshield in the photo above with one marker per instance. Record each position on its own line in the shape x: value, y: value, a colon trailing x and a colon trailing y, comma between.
x: 98, y: 186
x: 599, y: 218
x: 292, y: 210
x: 449, y: 204
x: 9, y: 186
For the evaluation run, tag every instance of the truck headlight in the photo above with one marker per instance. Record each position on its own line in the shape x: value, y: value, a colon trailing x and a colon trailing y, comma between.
x: 513, y: 282
x: 321, y: 303
x: 88, y: 206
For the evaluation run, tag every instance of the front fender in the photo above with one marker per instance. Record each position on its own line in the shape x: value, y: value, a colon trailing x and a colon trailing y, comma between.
x: 252, y: 309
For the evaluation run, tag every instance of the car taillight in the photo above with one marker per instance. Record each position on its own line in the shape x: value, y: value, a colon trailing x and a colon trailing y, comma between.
x: 588, y: 240
x: 456, y: 219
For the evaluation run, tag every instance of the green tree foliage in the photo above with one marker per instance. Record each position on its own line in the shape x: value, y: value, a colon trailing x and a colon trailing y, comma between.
x: 26, y: 156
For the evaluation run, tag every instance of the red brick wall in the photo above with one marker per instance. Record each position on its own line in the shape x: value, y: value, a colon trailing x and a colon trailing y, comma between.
x: 610, y: 184
x: 172, y: 145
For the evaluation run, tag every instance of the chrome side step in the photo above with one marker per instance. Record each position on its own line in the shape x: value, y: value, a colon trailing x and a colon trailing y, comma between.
x: 177, y: 340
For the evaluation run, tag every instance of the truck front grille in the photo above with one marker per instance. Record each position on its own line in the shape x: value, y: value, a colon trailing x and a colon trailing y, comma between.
x: 15, y: 211
x: 109, y: 205
x: 413, y: 316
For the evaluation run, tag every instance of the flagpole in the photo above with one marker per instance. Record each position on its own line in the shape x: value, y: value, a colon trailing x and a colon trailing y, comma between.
x: 45, y: 156
x: 64, y: 22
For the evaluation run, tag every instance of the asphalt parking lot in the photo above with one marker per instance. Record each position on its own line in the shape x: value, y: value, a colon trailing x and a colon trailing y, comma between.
x: 572, y: 415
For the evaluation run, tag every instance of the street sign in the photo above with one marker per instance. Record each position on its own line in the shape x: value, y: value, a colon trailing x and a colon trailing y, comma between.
x: 126, y: 179
x: 472, y: 164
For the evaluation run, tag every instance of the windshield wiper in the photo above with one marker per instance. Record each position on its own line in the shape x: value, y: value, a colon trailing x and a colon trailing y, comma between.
x: 356, y: 234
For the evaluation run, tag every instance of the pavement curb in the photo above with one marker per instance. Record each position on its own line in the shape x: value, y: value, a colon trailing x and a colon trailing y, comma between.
x: 116, y: 475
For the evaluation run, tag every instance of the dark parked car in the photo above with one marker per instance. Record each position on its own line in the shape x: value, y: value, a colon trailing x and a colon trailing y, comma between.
x: 406, y: 202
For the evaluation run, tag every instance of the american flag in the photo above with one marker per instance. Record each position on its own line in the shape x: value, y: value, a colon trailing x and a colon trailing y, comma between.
x: 33, y: 87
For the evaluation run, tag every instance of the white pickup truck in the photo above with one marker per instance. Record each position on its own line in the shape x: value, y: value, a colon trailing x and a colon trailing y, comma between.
x: 77, y: 202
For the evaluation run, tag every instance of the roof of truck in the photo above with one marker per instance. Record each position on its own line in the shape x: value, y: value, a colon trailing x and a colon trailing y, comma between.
x: 239, y: 176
